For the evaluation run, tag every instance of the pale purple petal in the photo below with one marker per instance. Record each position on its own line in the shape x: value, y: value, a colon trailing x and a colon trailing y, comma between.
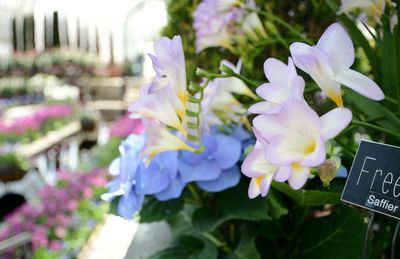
x: 298, y: 177
x: 261, y: 141
x: 265, y: 184
x: 296, y: 116
x: 337, y: 44
x: 264, y: 108
x: 255, y: 164
x: 318, y: 156
x: 278, y: 72
x: 334, y: 121
x: 298, y: 49
x: 297, y: 88
x: 229, y: 177
x: 284, y: 150
x: 254, y: 189
x: 269, y: 126
x: 361, y: 84
x: 283, y: 173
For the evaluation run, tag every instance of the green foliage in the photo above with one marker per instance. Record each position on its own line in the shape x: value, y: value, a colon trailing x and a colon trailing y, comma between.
x: 308, y: 197
x: 104, y: 155
x: 339, y: 235
x: 154, y: 210
x: 188, y: 247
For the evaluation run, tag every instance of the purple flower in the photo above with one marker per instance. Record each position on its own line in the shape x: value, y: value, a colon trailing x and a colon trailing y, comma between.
x: 224, y: 23
x: 329, y: 62
x: 125, y: 126
x: 214, y: 169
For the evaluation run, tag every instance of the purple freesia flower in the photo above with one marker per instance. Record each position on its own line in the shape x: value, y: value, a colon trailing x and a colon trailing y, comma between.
x: 214, y: 169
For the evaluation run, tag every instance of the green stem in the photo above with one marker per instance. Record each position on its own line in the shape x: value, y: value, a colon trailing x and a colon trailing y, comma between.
x: 195, y: 194
x: 217, y: 242
x: 372, y: 126
x: 283, y: 23
x: 345, y: 147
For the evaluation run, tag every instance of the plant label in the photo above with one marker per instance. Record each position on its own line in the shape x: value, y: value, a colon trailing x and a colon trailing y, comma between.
x: 374, y: 179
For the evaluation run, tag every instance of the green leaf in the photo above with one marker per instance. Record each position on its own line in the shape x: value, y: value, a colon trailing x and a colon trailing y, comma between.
x: 232, y: 204
x: 154, y: 210
x: 275, y: 207
x: 246, y: 247
x: 247, y: 250
x: 339, y: 235
x: 386, y: 118
x: 188, y: 247
x: 307, y: 197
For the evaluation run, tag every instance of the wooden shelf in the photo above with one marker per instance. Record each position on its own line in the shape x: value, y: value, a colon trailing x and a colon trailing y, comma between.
x: 50, y: 139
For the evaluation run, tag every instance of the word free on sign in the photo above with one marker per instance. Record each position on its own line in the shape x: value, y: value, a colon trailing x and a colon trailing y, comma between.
x: 374, y: 179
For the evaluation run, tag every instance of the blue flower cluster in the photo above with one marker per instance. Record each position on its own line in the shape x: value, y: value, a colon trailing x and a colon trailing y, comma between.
x: 168, y: 173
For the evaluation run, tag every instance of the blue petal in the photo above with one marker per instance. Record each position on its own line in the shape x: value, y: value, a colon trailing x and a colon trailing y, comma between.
x: 207, y: 170
x: 168, y: 161
x: 174, y: 190
x: 240, y: 134
x: 115, y: 166
x: 129, y: 167
x: 133, y: 143
x: 129, y: 203
x: 209, y: 143
x: 229, y: 178
x: 228, y: 151
x: 114, y: 184
x: 151, y: 179
x: 342, y: 172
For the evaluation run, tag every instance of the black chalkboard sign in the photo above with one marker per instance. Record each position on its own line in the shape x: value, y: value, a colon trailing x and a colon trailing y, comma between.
x: 374, y: 179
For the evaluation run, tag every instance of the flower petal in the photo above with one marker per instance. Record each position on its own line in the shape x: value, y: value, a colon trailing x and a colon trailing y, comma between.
x: 297, y: 116
x: 228, y: 178
x: 115, y: 167
x: 228, y: 151
x: 269, y: 126
x: 255, y: 164
x: 151, y: 179
x: 298, y: 177
x: 337, y: 44
x: 283, y: 173
x: 265, y: 184
x: 278, y: 72
x: 208, y: 170
x: 361, y: 84
x: 173, y: 191
x: 318, y: 156
x: 284, y: 150
x: 254, y: 188
x: 299, y: 49
x: 129, y: 203
x: 334, y: 121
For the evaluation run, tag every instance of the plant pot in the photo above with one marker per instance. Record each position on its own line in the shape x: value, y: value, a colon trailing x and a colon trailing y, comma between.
x: 10, y: 172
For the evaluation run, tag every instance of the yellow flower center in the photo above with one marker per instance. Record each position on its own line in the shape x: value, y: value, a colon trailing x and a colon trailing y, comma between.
x: 296, y: 166
x: 310, y: 148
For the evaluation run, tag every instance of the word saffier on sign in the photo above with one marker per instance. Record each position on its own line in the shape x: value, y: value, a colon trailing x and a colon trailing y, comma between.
x: 374, y: 179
